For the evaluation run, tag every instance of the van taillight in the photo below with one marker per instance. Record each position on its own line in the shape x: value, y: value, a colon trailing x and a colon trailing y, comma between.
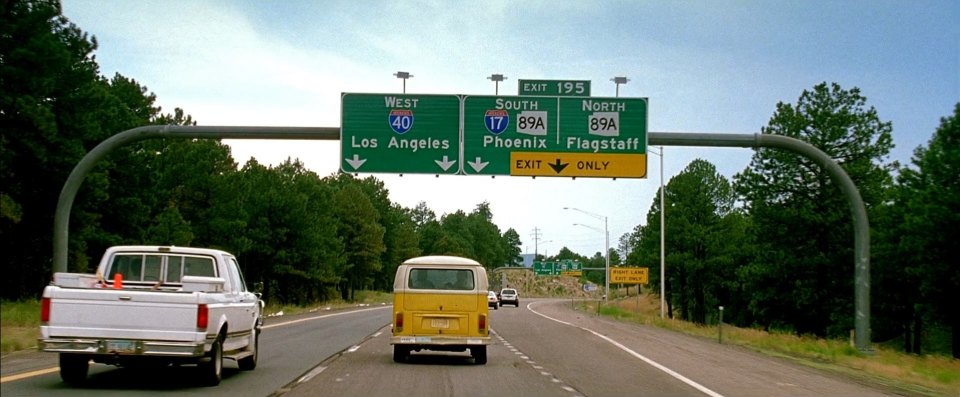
x: 398, y: 324
x: 45, y: 310
x: 202, y: 316
x: 482, y: 323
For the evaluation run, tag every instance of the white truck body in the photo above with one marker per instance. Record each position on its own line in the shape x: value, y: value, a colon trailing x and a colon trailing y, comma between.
x: 168, y: 304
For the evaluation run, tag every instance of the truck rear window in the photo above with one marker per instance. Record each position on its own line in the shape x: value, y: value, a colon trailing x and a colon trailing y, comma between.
x: 150, y: 267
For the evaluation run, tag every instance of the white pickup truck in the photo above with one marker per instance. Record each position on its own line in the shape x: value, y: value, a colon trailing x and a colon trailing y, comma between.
x: 152, y: 305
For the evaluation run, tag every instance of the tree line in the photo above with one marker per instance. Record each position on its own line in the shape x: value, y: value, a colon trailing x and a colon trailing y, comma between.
x: 773, y: 245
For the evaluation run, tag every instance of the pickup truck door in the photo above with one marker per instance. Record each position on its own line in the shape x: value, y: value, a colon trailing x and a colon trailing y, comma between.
x: 243, y: 307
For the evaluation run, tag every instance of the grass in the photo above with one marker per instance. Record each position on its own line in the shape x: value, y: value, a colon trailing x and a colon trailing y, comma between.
x: 362, y: 298
x: 928, y: 375
x: 20, y: 323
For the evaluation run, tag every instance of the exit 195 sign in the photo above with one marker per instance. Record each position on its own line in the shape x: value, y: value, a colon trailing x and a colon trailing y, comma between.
x: 554, y: 87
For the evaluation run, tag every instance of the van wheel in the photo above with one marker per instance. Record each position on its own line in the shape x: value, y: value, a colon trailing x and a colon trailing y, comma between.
x: 400, y: 353
x: 74, y: 368
x: 211, y: 370
x: 479, y: 354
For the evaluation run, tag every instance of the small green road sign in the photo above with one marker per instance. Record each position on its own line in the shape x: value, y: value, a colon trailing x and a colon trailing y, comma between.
x: 544, y: 268
x: 400, y: 133
x: 554, y: 87
x: 564, y: 267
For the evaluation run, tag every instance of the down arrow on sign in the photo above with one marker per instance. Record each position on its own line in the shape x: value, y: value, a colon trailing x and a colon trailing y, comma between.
x: 558, y: 166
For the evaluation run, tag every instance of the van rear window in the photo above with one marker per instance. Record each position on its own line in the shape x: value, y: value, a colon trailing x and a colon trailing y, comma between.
x: 448, y: 279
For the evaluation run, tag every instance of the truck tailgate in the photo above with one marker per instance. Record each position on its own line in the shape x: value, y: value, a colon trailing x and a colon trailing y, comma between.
x: 123, y: 314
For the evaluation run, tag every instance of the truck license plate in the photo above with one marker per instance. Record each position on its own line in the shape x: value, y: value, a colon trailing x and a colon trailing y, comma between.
x: 121, y: 346
x: 440, y: 323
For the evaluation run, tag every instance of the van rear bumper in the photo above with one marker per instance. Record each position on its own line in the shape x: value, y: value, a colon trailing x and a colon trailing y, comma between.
x: 440, y: 340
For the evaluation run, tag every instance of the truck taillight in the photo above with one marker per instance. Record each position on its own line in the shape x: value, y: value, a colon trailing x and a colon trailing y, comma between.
x: 398, y: 324
x: 202, y: 316
x: 45, y: 310
x: 482, y: 323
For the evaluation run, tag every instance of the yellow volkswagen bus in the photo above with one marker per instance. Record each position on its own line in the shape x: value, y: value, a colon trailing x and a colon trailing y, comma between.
x: 440, y: 304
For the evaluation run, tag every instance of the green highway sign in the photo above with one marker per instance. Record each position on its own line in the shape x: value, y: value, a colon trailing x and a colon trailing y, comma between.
x: 494, y: 126
x: 543, y: 268
x: 555, y: 136
x: 576, y: 88
x: 563, y: 267
x: 400, y: 133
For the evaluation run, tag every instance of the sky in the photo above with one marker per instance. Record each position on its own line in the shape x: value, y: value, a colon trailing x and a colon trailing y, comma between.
x: 705, y: 67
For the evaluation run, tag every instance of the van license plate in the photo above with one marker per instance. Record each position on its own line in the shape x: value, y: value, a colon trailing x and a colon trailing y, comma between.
x: 121, y: 346
x: 440, y: 323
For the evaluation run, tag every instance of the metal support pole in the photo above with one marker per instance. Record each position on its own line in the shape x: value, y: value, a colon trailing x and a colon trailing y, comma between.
x: 720, y: 326
x: 606, y: 232
x: 861, y: 225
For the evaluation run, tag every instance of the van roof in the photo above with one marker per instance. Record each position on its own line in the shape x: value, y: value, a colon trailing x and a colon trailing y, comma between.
x: 441, y: 260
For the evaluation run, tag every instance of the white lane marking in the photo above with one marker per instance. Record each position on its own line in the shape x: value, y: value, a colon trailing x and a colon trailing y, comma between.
x: 316, y: 371
x: 323, y: 316
x: 655, y: 364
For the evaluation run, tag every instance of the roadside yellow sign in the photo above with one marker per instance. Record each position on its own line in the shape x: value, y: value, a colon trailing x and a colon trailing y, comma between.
x: 601, y: 165
x: 571, y: 273
x: 629, y: 275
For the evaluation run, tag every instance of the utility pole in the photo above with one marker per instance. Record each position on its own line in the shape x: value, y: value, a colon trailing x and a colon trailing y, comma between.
x: 537, y: 235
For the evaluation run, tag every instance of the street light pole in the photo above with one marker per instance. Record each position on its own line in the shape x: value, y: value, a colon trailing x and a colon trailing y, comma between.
x: 618, y: 81
x: 663, y: 233
x: 497, y: 78
x: 606, y: 235
x: 404, y: 76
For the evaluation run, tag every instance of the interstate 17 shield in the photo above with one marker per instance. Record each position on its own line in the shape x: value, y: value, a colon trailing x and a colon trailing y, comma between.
x: 496, y: 120
x: 401, y: 120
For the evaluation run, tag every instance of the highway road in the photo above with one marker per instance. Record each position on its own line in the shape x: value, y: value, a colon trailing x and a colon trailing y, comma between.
x: 289, y: 347
x: 542, y: 348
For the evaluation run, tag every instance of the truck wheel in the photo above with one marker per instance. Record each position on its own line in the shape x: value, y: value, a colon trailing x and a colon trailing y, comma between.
x: 211, y: 370
x: 400, y: 353
x: 250, y: 362
x: 74, y: 368
x: 479, y: 354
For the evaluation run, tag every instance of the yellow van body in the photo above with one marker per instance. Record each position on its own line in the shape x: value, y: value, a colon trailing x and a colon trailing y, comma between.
x: 440, y: 304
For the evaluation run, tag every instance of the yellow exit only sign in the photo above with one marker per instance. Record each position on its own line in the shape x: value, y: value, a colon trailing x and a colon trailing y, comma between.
x: 629, y: 275
x: 601, y: 165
